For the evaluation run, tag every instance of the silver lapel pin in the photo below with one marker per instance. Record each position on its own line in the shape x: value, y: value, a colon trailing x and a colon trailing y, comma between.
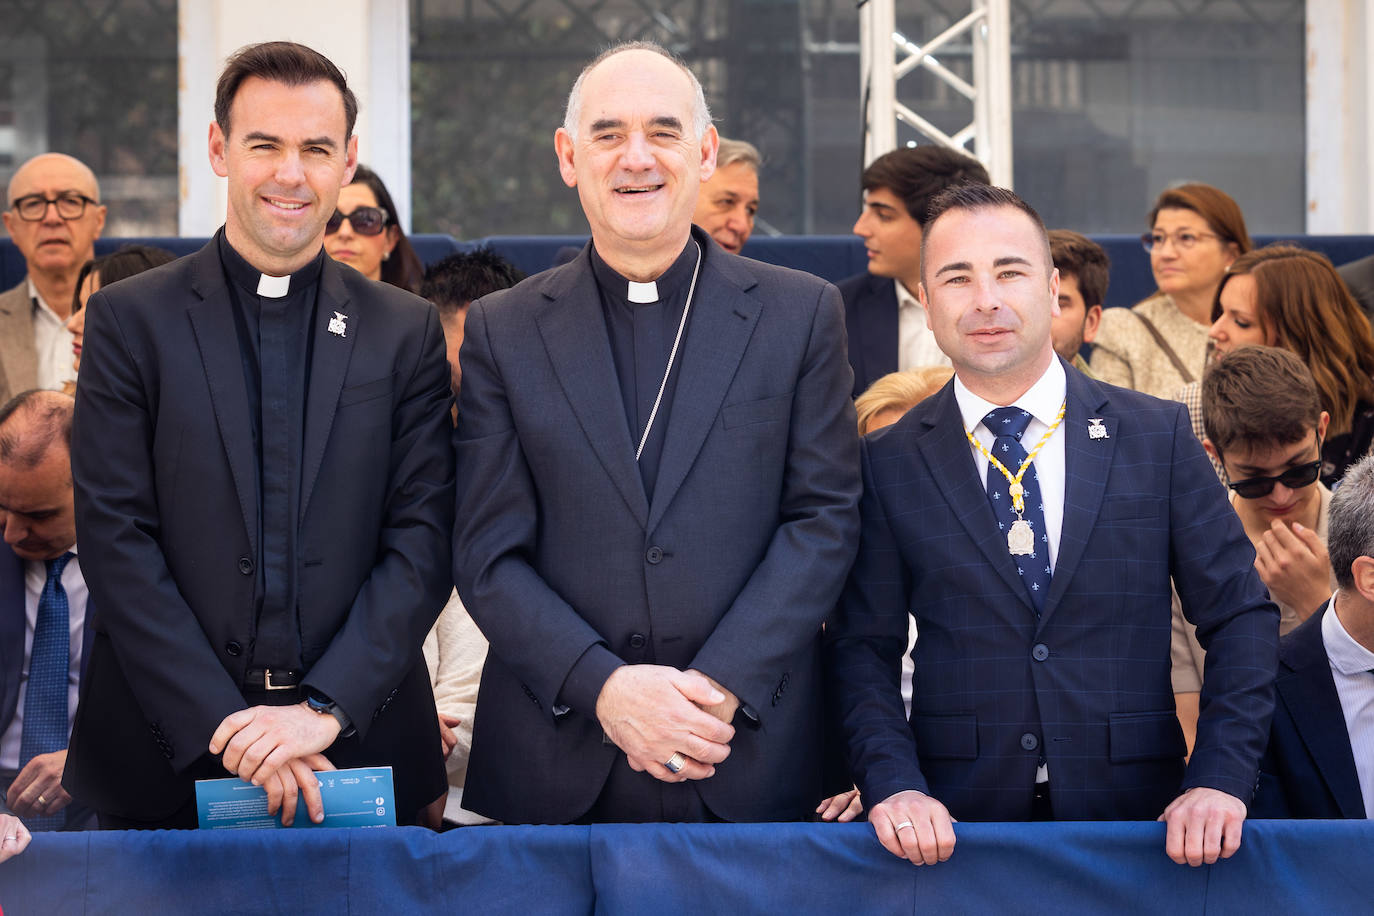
x: 339, y: 324
x: 1095, y: 428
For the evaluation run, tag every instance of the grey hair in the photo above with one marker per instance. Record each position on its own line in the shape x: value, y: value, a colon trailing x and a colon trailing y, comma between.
x: 732, y: 151
x: 701, y: 114
x: 1350, y: 525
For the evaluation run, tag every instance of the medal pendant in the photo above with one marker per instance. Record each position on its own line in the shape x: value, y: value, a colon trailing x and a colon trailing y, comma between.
x: 1021, y: 539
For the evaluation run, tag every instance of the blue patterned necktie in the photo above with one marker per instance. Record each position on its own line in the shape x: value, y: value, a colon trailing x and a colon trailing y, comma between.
x: 45, y: 697
x: 1008, y: 425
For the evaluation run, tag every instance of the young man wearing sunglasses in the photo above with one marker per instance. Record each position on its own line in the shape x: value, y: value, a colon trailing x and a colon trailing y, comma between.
x: 1264, y: 423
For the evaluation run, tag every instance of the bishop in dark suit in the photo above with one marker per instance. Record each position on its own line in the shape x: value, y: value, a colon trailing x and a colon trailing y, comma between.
x: 658, y: 496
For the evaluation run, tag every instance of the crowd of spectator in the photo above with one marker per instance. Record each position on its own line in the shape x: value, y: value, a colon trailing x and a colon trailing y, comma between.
x: 664, y: 533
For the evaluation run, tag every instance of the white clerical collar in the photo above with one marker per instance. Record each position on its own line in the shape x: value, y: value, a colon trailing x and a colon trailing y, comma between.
x: 642, y: 293
x: 272, y: 287
x: 1042, y: 400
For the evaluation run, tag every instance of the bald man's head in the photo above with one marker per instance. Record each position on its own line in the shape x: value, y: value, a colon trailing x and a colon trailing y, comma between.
x: 52, y: 244
x: 36, y: 507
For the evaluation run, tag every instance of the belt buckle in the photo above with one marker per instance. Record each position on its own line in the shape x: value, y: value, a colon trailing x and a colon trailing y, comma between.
x: 268, y: 685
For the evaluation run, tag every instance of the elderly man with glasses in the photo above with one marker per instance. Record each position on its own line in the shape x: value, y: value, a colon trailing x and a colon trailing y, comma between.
x: 54, y: 217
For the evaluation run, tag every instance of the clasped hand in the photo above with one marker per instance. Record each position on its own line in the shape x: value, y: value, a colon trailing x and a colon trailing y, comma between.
x: 279, y: 748
x: 652, y: 712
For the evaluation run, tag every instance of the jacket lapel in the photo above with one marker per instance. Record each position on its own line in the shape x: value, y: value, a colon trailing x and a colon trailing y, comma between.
x: 718, y: 330
x: 1308, y: 690
x: 949, y: 457
x: 1087, y: 462
x: 16, y: 324
x: 579, y: 347
x: 12, y: 625
x: 328, y: 367
x: 212, y: 321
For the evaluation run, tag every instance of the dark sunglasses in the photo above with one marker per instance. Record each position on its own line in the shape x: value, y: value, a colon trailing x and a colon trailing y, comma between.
x: 1295, y: 478
x: 364, y: 220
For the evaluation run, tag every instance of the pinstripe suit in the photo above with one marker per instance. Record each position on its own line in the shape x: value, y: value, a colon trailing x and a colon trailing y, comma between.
x: 1087, y: 684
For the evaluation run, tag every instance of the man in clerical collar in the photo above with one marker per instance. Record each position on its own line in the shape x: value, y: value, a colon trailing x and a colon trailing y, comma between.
x: 657, y: 504
x: 54, y: 217
x: 1031, y: 519
x: 267, y: 483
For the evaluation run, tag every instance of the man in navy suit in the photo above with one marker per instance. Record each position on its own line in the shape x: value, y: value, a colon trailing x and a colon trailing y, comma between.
x: 264, y: 475
x: 1320, y: 759
x: 36, y: 513
x: 658, y: 497
x: 1030, y: 519
x: 885, y: 321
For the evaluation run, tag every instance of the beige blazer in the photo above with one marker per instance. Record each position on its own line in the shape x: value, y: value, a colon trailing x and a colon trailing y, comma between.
x: 18, y: 355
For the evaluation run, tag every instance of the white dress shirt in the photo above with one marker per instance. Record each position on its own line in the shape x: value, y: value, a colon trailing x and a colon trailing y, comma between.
x: 35, y: 577
x: 916, y: 346
x: 52, y: 343
x: 1042, y: 400
x: 1350, y: 669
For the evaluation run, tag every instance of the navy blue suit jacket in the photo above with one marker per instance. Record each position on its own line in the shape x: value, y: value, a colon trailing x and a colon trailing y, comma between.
x: 1087, y: 684
x: 870, y: 319
x: 569, y: 568
x: 12, y: 625
x: 1308, y: 769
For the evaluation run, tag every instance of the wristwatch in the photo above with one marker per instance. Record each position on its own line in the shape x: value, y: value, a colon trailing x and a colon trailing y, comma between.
x: 323, y: 705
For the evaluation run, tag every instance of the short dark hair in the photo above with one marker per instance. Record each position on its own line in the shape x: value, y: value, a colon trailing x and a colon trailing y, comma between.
x: 1078, y: 256
x: 1350, y: 521
x: 127, y: 261
x: 917, y: 174
x: 1258, y: 397
x: 980, y: 197
x: 49, y: 415
x: 460, y: 278
x: 283, y: 62
x: 404, y: 267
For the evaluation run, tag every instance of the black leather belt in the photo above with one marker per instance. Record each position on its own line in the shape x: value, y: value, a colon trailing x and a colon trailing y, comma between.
x: 272, y: 678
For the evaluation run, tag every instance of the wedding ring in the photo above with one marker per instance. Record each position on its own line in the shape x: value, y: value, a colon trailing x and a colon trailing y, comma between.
x: 42, y: 800
x: 905, y: 824
x: 11, y: 837
x: 676, y: 763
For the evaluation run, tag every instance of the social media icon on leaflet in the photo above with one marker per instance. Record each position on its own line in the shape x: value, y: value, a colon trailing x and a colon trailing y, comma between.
x: 381, y: 811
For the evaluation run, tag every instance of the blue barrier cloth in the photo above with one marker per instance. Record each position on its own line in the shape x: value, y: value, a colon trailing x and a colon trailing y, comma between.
x: 1282, y: 866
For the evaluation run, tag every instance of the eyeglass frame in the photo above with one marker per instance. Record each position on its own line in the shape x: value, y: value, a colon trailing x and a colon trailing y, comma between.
x: 54, y: 203
x: 1296, y: 472
x: 386, y: 218
x: 1147, y: 239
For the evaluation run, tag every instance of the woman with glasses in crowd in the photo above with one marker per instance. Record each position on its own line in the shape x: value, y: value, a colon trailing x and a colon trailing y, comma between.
x: 1159, y: 345
x: 1289, y: 297
x: 366, y: 234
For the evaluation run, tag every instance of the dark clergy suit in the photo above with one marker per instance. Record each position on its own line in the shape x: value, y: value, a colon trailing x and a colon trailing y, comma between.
x: 1087, y: 684
x: 167, y: 516
x: 870, y: 318
x: 12, y: 633
x: 730, y: 569
x: 1308, y: 769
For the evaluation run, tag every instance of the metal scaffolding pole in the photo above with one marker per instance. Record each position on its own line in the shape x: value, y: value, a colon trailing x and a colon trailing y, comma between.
x: 886, y: 55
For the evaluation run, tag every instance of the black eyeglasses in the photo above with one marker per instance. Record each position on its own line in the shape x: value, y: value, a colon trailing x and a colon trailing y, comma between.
x: 1295, y: 478
x: 70, y: 205
x: 364, y: 220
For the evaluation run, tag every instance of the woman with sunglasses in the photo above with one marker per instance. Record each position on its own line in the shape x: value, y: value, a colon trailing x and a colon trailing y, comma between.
x: 366, y: 234
x: 1159, y: 345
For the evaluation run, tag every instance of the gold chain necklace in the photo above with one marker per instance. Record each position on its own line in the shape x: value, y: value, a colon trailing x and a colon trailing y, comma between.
x: 1021, y: 537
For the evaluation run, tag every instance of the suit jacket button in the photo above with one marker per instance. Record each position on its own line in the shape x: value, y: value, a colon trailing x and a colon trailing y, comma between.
x: 233, y: 648
x: 245, y: 566
x: 1029, y: 741
x: 637, y: 641
x: 654, y: 556
x: 1040, y: 652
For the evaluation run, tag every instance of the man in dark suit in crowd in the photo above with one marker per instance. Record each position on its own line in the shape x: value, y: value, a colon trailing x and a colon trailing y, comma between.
x: 1359, y: 278
x: 1320, y: 760
x: 1030, y: 519
x: 886, y: 323
x: 658, y: 495
x: 44, y: 628
x: 264, y: 488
